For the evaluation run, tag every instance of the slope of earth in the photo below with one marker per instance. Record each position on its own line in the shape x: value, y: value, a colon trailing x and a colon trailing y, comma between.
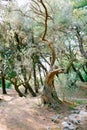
x: 27, y: 113
x: 18, y: 113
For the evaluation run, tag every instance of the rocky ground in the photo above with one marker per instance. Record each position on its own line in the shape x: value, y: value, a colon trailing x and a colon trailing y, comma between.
x: 28, y: 114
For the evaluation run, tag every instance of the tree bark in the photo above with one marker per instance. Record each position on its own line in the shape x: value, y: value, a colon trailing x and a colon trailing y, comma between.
x: 26, y: 82
x: 40, y: 75
x: 35, y: 79
x: 48, y: 95
x: 28, y: 87
x: 16, y: 86
x: 80, y: 41
x: 3, y: 83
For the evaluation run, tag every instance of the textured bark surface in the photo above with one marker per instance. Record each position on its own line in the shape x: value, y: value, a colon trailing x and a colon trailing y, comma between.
x: 48, y: 96
x: 3, y: 82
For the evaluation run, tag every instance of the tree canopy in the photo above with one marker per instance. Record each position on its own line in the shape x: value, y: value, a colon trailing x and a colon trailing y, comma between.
x: 40, y: 41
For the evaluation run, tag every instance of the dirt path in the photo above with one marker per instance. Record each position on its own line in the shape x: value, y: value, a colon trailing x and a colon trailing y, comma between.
x: 24, y: 114
x: 18, y: 113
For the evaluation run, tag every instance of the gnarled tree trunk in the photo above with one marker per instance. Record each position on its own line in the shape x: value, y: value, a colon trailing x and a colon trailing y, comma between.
x: 49, y: 94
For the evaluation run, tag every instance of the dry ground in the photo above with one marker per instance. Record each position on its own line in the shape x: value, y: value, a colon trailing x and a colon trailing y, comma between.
x: 18, y: 113
x: 27, y: 113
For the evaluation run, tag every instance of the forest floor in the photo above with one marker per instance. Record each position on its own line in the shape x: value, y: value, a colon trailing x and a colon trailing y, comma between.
x: 18, y: 113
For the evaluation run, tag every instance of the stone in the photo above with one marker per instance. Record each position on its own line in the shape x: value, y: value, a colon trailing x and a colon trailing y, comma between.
x: 56, y: 118
x: 48, y: 128
x: 75, y: 118
x: 68, y: 126
x: 75, y: 111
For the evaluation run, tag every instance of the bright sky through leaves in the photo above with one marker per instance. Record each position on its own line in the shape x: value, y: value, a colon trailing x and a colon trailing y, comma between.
x: 22, y: 2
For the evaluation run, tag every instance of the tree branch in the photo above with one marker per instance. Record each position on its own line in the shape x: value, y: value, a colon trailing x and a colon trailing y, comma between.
x: 51, y: 75
x: 46, y: 20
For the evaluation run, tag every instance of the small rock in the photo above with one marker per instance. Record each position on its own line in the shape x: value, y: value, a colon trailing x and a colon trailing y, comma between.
x: 75, y: 111
x: 56, y: 118
x: 74, y: 118
x: 68, y: 126
x: 65, y: 118
x: 48, y: 128
x: 83, y: 114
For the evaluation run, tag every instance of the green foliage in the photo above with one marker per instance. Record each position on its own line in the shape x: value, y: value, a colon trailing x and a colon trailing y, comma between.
x: 72, y: 107
x: 80, y: 11
x: 12, y: 74
x: 62, y: 17
x: 71, y: 79
x: 7, y: 83
x: 79, y: 66
x: 81, y: 101
x: 84, y: 75
x: 79, y: 4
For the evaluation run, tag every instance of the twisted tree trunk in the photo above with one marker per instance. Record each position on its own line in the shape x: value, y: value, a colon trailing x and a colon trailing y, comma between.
x: 49, y: 95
